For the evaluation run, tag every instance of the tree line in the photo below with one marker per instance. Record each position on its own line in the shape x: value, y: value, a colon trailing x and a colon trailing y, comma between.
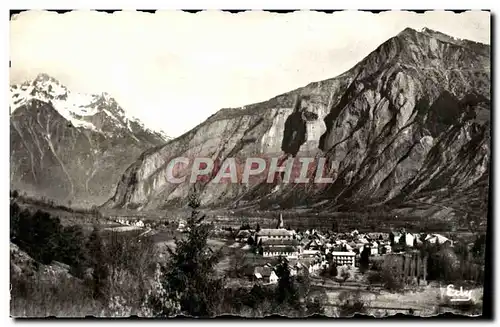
x: 122, y: 274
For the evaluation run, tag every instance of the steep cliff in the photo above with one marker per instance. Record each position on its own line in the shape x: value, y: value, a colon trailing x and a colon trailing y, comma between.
x: 71, y: 147
x: 413, y: 117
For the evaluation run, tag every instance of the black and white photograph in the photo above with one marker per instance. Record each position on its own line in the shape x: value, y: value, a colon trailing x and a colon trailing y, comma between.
x: 250, y: 164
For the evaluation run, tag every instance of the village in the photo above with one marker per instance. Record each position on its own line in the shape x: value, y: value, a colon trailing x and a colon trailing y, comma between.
x: 387, y: 271
x: 314, y: 252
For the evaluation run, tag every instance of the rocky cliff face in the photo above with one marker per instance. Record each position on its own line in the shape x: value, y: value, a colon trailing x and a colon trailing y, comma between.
x: 71, y: 147
x: 411, y: 119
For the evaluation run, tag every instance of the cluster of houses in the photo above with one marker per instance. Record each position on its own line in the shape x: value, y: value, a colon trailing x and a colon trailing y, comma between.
x: 266, y: 274
x: 130, y: 222
x: 143, y: 222
x: 314, y: 251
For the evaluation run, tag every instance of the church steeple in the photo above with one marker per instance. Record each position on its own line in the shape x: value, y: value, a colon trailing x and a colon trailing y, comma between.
x: 280, y: 222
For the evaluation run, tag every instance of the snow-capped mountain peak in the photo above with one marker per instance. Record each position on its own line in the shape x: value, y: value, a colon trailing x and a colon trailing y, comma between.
x: 97, y: 112
x: 71, y: 146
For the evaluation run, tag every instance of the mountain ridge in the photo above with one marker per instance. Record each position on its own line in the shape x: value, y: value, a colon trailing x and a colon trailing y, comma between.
x: 400, y: 36
x: 71, y: 147
x: 379, y: 124
x: 78, y: 108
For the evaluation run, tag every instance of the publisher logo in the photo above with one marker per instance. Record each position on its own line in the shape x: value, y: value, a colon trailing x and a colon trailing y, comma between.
x: 458, y: 294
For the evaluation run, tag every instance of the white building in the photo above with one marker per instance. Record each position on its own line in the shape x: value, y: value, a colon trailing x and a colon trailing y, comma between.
x: 181, y: 226
x: 266, y: 275
x: 409, y: 239
x: 344, y: 258
x: 123, y: 221
x: 289, y: 252
x: 243, y: 235
x: 273, y: 278
x: 437, y: 238
x: 139, y: 223
x: 274, y: 233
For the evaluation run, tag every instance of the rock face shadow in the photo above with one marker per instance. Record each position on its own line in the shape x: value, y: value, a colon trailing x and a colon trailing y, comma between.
x: 294, y: 134
x: 295, y: 129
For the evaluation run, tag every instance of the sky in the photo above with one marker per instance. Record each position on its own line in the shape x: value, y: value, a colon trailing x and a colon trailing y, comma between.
x: 173, y: 69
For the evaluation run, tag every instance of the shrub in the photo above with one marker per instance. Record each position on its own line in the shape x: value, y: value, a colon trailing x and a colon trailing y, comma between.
x: 445, y: 265
x: 157, y: 303
x: 42, y: 296
x: 315, y: 306
x: 351, y: 303
x: 376, y: 263
x: 330, y: 271
x: 71, y: 248
x: 375, y: 278
x: 478, y: 248
x: 98, y: 264
x: 345, y: 274
x: 237, y: 265
x: 392, y: 273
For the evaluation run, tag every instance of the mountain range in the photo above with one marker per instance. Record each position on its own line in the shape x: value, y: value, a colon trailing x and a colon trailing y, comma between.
x: 71, y: 147
x: 407, y: 127
x: 410, y: 123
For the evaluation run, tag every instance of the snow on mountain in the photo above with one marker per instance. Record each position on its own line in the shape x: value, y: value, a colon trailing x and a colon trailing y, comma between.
x: 69, y: 146
x: 78, y: 108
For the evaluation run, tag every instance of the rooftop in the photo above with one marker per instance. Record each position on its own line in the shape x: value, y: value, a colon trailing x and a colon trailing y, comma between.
x: 244, y: 233
x: 270, y: 242
x: 263, y: 271
x: 437, y: 238
x: 275, y: 232
x: 343, y: 253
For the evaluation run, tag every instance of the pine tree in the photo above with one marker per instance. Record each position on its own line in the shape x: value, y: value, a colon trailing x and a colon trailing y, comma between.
x: 190, y: 273
x: 364, y: 259
x: 286, y: 292
x: 45, y: 231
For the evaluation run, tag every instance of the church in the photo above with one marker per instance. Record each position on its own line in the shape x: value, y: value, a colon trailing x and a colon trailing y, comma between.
x: 275, y: 233
x: 277, y: 241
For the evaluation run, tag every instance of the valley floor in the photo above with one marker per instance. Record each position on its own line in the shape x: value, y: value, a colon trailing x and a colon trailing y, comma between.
x: 421, y: 301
